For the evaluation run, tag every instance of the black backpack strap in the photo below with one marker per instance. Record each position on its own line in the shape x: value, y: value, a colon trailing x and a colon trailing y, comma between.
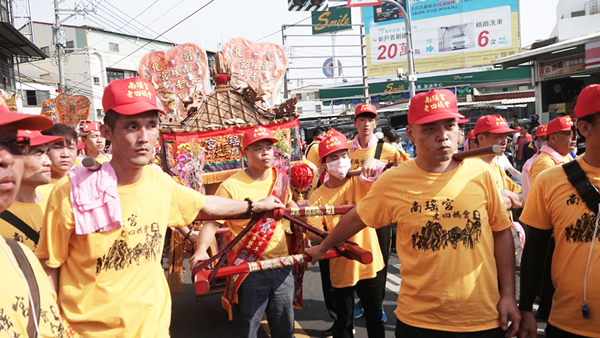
x: 308, y: 148
x: 31, y: 282
x: 22, y: 226
x: 586, y: 190
x: 379, y: 149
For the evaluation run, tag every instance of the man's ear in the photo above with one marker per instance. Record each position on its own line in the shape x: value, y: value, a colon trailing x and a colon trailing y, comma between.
x: 584, y: 128
x: 410, y: 134
x: 106, y: 132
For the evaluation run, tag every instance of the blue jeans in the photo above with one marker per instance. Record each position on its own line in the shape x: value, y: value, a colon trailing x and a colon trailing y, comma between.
x: 270, y: 291
x: 407, y: 331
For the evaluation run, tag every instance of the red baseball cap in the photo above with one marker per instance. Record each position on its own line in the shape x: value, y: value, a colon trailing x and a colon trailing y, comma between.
x: 333, y: 141
x: 257, y: 134
x: 435, y: 105
x: 471, y: 135
x: 562, y: 123
x: 22, y: 121
x: 541, y: 130
x: 130, y: 96
x: 36, y: 138
x: 495, y: 124
x: 365, y: 108
x: 588, y: 101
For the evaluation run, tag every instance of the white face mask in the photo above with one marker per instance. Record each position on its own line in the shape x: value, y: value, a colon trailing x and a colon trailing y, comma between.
x: 339, y: 168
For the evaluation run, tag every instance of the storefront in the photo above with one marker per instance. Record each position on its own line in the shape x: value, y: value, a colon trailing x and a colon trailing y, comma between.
x: 561, y: 70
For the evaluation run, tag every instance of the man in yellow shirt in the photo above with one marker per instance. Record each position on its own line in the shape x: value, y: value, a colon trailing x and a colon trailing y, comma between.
x: 493, y: 130
x: 23, y: 220
x: 453, y: 240
x: 348, y: 276
x: 270, y: 291
x: 110, y: 281
x: 555, y: 206
x: 312, y: 150
x: 540, y: 141
x: 94, y: 142
x: 556, y: 151
x: 366, y: 145
x: 63, y: 154
x: 23, y: 314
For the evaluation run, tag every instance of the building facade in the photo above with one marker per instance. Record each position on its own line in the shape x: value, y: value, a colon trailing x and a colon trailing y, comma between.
x: 93, y: 58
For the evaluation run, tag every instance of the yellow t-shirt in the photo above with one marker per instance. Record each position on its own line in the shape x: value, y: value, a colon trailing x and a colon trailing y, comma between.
x: 346, y: 272
x: 541, y: 163
x: 553, y: 203
x: 30, y: 213
x: 14, y: 299
x: 112, y: 283
x: 46, y: 189
x: 444, y: 241
x: 105, y: 158
x: 238, y: 187
x: 313, y: 154
x: 389, y: 153
x: 502, y: 180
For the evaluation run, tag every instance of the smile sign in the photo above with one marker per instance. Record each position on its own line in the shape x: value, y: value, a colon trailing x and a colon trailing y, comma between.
x: 340, y: 15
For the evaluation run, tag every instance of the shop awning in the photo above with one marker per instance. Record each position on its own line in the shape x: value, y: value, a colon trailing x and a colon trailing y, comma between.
x: 517, y: 59
x: 472, y: 79
x: 13, y: 42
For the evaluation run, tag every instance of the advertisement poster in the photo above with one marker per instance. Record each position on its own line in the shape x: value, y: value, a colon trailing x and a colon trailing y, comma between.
x: 446, y: 34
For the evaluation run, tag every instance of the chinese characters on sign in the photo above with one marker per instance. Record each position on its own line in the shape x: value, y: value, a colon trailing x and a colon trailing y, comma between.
x: 567, y: 65
x: 446, y: 34
x: 255, y: 64
x: 175, y: 75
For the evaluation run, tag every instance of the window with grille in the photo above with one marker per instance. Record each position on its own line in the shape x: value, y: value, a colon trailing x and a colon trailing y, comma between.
x: 70, y: 47
x: 35, y: 97
x: 112, y: 74
x: 318, y: 108
x: 113, y: 47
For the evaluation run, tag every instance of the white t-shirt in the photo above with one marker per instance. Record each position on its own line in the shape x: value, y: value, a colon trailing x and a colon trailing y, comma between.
x: 503, y: 161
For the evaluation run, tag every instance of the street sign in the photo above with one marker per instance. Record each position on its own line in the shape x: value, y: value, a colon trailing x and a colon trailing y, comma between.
x: 307, y: 5
x: 334, y: 16
x: 363, y: 3
x: 328, y: 68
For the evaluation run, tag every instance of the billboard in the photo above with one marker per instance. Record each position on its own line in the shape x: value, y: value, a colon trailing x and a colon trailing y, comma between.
x: 334, y: 16
x: 446, y: 34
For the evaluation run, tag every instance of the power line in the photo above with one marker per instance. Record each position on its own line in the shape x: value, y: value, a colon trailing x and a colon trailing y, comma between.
x: 116, y: 20
x: 163, y: 33
x: 264, y: 37
x: 127, y: 22
x: 134, y: 19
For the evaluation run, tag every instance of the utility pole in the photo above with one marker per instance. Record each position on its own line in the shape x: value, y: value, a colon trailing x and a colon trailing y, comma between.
x: 58, y: 38
x: 412, y: 78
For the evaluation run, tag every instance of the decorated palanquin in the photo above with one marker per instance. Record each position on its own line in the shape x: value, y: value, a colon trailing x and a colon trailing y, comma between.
x: 218, y: 120
x: 202, y: 132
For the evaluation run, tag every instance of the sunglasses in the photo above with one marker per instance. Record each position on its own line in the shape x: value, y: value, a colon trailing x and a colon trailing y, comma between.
x: 15, y: 145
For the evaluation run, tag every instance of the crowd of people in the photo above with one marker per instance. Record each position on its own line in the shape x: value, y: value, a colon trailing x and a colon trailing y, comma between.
x: 82, y: 248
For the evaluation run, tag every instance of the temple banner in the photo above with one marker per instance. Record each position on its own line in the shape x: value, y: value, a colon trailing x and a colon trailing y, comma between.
x: 223, y: 152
